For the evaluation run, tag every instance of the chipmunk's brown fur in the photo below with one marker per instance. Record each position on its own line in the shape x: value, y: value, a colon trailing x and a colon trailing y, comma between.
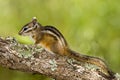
x: 53, y: 41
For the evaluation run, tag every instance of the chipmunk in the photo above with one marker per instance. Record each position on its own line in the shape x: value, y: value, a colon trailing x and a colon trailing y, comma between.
x: 53, y: 41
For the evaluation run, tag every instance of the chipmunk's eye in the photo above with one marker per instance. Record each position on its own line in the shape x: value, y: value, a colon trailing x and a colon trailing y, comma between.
x: 25, y: 28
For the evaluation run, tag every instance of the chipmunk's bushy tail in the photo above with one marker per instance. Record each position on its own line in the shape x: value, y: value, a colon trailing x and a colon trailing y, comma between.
x: 92, y: 60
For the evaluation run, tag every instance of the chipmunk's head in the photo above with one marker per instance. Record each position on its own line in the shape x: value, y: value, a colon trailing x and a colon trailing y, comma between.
x: 30, y: 28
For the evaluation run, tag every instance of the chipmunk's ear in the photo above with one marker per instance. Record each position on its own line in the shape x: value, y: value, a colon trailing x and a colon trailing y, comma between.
x: 34, y: 20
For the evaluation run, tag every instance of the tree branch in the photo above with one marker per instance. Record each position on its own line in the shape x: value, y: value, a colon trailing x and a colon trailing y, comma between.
x: 29, y: 58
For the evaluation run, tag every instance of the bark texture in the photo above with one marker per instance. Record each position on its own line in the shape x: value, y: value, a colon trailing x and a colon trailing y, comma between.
x: 34, y: 59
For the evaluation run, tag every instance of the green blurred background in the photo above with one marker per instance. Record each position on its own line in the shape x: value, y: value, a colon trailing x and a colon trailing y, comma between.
x: 91, y: 27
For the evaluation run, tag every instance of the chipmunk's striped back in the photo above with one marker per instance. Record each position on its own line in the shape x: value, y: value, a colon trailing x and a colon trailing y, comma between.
x: 53, y: 31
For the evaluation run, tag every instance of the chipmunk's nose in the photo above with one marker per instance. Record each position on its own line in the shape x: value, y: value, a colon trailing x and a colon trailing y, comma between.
x: 20, y: 33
